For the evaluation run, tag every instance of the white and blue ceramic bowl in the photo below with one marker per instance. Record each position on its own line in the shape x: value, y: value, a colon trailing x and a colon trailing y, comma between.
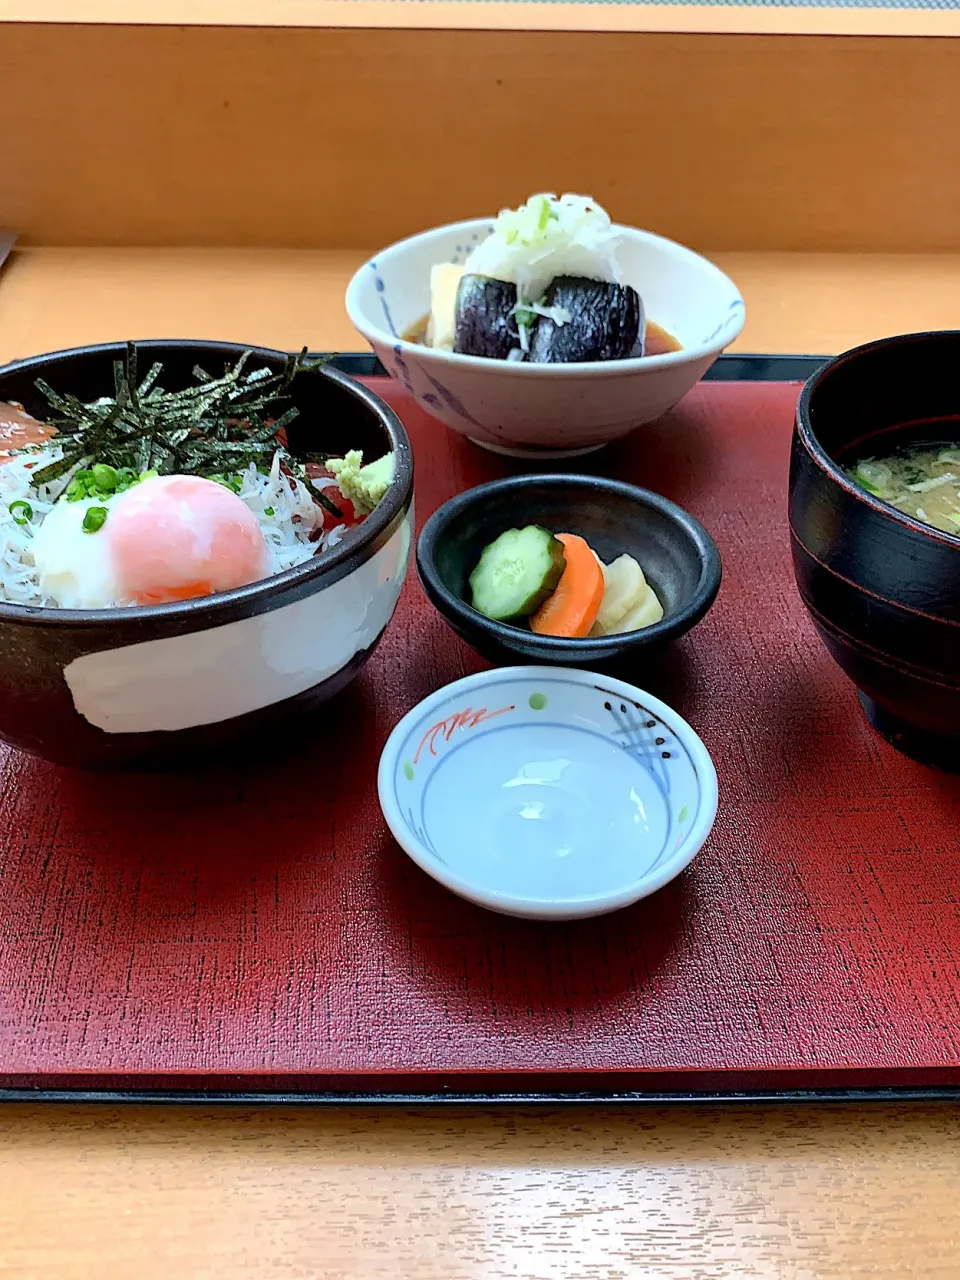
x: 157, y: 686
x: 537, y: 409
x: 547, y: 793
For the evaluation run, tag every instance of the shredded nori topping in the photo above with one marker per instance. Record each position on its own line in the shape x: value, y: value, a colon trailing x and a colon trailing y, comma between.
x: 221, y: 424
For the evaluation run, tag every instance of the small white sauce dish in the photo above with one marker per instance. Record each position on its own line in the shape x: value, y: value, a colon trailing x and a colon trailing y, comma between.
x: 546, y: 410
x: 547, y: 793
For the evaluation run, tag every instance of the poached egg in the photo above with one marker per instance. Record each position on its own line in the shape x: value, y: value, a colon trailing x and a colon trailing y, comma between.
x: 167, y: 538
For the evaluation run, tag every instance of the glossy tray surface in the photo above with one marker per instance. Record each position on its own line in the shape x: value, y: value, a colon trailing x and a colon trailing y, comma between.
x: 253, y: 930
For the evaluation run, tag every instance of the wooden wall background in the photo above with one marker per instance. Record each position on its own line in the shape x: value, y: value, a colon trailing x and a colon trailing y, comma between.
x: 119, y: 135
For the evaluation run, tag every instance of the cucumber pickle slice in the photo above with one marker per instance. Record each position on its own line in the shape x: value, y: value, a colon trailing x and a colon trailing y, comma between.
x: 516, y: 573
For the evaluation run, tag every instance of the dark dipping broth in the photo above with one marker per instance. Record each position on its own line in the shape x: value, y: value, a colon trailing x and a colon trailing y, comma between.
x: 921, y: 479
x: 656, y: 340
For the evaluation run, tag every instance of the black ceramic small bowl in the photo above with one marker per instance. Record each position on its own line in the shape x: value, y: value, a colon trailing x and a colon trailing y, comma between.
x: 677, y: 555
x: 158, y: 686
x: 883, y: 589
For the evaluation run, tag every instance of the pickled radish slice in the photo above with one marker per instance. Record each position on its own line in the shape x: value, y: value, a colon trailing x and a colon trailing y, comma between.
x: 178, y: 537
x: 624, y: 588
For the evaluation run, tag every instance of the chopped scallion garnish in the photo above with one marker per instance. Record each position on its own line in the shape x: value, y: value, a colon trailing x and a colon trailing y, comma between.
x: 94, y: 519
x: 104, y: 477
x: 21, y: 511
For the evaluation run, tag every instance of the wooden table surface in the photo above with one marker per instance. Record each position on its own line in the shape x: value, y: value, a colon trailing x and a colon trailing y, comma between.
x: 684, y: 1193
x: 58, y: 297
x: 688, y: 1194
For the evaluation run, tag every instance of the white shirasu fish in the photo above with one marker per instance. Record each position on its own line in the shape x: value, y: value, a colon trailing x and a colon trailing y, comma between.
x: 290, y: 519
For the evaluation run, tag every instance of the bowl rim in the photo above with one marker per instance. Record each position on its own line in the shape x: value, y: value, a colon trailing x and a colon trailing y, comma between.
x: 564, y: 908
x: 820, y: 457
x: 593, y: 368
x: 355, y: 548
x: 597, y: 648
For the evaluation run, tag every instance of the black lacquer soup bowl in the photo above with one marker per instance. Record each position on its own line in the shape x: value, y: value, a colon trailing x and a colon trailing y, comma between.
x: 882, y: 588
x: 161, y: 685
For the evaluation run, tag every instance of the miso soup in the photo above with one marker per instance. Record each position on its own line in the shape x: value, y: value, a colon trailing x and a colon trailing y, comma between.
x: 921, y: 480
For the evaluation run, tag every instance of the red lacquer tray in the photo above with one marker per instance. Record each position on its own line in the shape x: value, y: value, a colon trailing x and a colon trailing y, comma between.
x: 253, y: 929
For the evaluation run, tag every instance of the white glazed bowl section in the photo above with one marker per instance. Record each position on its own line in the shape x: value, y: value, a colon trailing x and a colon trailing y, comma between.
x: 219, y: 673
x: 547, y: 793
x: 532, y: 408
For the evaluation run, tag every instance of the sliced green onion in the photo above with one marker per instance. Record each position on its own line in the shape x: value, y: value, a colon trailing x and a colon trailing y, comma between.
x: 94, y: 519
x: 269, y: 511
x: 865, y: 484
x: 21, y: 511
x: 104, y: 477
x: 544, y: 215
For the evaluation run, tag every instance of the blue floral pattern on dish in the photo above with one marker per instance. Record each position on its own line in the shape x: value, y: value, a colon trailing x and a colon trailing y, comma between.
x: 462, y: 251
x: 381, y: 289
x: 404, y: 369
x: 648, y: 739
x: 731, y: 320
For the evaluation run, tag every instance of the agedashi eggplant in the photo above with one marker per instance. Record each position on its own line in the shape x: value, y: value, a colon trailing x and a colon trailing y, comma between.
x: 544, y: 287
x: 605, y: 323
x: 485, y: 322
